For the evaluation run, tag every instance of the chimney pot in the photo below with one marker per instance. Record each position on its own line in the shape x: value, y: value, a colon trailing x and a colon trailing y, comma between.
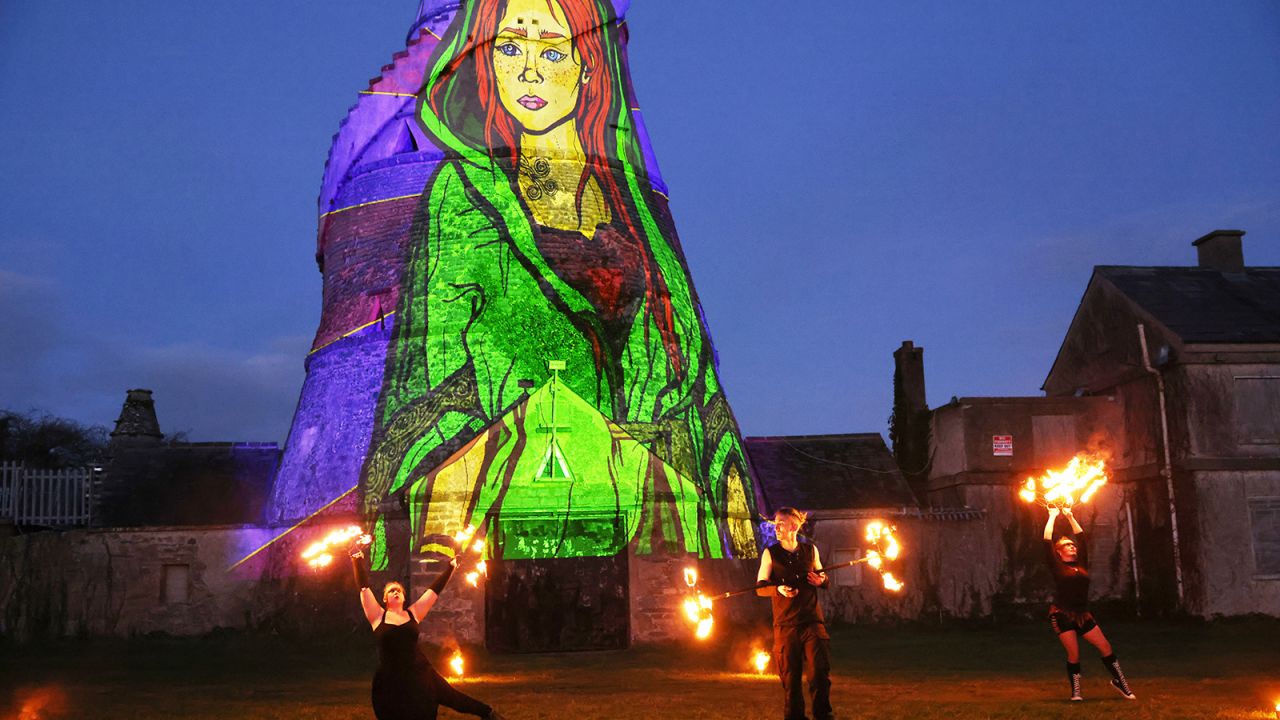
x: 1221, y: 250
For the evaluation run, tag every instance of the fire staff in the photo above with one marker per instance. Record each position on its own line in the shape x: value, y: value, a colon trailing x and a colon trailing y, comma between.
x: 800, y: 639
x: 405, y: 686
x: 1068, y: 559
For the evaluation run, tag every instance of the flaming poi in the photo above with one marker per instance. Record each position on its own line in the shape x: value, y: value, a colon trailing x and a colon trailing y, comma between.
x: 319, y: 554
x: 1073, y: 485
x: 457, y: 664
x: 698, y: 608
x: 760, y: 660
x: 884, y: 546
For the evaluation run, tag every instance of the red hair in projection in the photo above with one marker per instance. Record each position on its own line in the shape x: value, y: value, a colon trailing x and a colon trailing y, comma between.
x: 595, y: 102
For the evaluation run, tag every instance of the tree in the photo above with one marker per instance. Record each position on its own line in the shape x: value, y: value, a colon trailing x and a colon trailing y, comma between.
x: 40, y: 440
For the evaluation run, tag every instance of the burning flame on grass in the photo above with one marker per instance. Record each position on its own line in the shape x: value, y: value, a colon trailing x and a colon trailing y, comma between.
x: 760, y: 660
x: 457, y: 664
x: 885, y: 546
x: 1073, y: 485
x: 698, y: 608
x: 319, y: 554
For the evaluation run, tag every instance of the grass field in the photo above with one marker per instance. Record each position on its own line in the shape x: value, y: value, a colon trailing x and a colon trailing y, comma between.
x: 1220, y: 670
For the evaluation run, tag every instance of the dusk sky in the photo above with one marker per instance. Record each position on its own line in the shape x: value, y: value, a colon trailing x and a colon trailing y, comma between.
x: 844, y: 176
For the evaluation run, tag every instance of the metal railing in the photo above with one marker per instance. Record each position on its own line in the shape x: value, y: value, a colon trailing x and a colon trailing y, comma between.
x: 46, y: 498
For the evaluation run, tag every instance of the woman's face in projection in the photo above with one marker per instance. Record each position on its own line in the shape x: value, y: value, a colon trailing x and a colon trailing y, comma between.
x: 539, y: 75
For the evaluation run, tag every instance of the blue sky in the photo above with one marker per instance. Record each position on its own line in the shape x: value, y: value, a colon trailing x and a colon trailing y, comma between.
x: 844, y: 176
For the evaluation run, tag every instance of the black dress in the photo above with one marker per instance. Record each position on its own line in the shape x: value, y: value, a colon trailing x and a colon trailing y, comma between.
x: 405, y: 686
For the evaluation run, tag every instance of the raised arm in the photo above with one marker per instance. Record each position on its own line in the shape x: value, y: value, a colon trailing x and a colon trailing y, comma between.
x: 368, y: 601
x: 1075, y: 526
x: 427, y: 600
x: 1048, y: 527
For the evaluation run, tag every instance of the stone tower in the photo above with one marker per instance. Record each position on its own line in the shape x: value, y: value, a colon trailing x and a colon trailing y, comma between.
x: 509, y: 337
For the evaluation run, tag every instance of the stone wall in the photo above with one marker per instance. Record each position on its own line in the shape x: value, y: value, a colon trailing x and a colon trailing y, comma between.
x: 176, y: 580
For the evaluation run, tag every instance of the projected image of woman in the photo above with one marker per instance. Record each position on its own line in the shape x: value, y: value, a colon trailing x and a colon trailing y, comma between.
x: 539, y: 238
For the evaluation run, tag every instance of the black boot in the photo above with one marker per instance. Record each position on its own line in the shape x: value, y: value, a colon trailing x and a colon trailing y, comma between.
x: 1117, y: 677
x: 1073, y: 674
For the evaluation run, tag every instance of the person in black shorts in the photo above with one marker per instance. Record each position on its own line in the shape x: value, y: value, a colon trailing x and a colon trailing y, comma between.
x: 790, y: 574
x: 406, y: 686
x: 1068, y: 559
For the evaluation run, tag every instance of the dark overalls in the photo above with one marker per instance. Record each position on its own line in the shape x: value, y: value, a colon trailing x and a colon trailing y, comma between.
x: 800, y: 639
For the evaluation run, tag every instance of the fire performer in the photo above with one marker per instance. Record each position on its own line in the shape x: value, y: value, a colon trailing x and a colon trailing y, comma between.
x: 1069, y: 614
x: 406, y: 686
x: 800, y: 639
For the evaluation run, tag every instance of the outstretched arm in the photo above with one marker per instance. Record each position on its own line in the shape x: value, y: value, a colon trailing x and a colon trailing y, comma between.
x: 423, y: 604
x: 766, y: 569
x: 1048, y: 527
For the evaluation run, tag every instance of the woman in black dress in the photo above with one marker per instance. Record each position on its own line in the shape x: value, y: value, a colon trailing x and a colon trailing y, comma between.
x: 1069, y: 614
x: 405, y: 686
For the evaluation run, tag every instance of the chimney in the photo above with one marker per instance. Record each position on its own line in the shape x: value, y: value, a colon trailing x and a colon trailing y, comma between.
x: 137, y: 422
x: 908, y: 360
x: 1221, y: 250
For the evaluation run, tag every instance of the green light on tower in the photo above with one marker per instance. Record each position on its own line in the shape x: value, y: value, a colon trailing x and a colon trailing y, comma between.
x: 554, y: 466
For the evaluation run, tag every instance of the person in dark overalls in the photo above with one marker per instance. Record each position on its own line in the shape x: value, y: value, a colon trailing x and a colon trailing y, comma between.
x: 790, y: 574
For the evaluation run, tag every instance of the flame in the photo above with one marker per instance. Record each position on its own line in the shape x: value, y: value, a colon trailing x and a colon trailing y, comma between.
x: 874, y: 559
x: 318, y: 554
x: 690, y: 577
x: 473, y: 578
x: 1074, y: 484
x: 478, y: 546
x: 40, y: 703
x: 699, y: 612
x: 462, y: 536
x: 483, y: 567
x: 890, y: 582
x: 885, y: 547
x: 761, y: 660
x: 456, y: 663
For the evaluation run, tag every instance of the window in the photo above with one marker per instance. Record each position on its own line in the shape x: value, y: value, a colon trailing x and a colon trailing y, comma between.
x: 1256, y: 418
x: 175, y: 584
x: 1264, y: 526
x: 848, y: 576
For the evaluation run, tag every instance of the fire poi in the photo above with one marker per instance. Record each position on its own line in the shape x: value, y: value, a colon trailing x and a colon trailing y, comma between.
x: 457, y: 664
x: 883, y: 546
x: 1073, y: 485
x: 761, y: 661
x: 319, y: 554
x: 698, y: 608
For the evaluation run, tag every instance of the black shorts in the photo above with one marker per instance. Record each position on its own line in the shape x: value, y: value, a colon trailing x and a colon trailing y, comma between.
x: 1067, y: 621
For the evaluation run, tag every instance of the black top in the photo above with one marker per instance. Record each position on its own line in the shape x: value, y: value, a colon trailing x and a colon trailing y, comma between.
x: 1071, y: 579
x: 802, y: 609
x: 398, y: 644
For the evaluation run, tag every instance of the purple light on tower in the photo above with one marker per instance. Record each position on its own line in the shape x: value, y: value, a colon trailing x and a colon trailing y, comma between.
x: 378, y: 164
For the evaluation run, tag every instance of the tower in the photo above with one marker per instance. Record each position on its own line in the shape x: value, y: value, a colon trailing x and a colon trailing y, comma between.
x: 509, y: 336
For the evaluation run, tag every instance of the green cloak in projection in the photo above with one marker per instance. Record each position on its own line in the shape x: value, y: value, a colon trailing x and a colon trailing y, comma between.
x: 540, y: 243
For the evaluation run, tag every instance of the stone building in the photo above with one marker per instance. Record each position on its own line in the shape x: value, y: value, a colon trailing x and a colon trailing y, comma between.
x: 1173, y: 373
x: 1191, y: 355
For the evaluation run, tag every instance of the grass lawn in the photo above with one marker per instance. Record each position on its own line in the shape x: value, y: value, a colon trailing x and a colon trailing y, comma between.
x: 1221, y: 670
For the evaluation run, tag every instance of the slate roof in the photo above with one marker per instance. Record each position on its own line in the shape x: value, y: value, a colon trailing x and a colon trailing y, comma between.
x: 1202, y: 305
x: 826, y: 472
